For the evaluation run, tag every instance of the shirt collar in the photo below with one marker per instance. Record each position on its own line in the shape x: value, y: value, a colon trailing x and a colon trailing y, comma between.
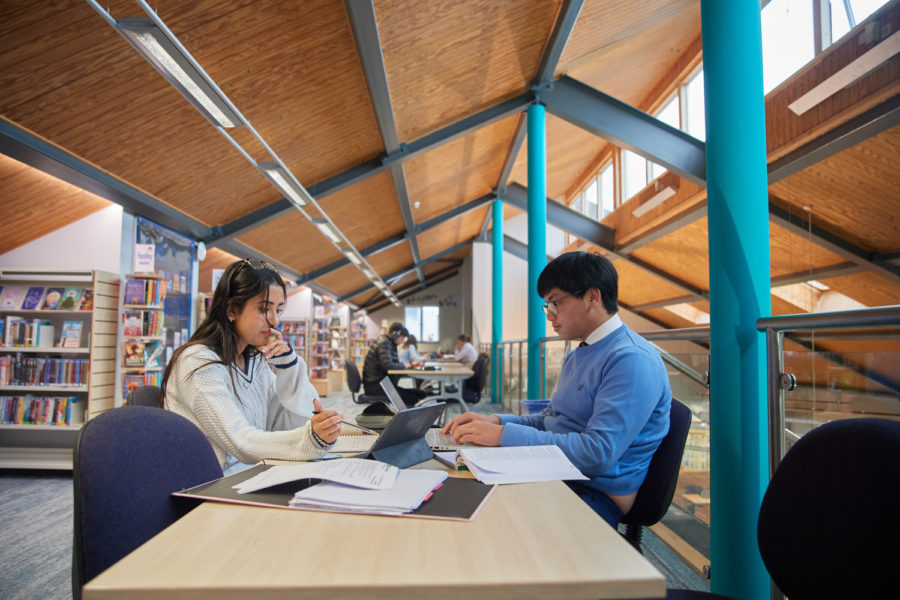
x: 611, y: 324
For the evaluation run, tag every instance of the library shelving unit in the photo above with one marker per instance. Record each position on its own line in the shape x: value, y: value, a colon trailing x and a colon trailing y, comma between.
x: 337, y: 350
x: 359, y: 341
x: 318, y: 356
x: 295, y: 332
x: 143, y: 331
x: 57, y: 364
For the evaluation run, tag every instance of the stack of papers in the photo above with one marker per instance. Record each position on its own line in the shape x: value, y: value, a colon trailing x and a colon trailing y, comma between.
x: 411, y: 489
x: 357, y: 472
x: 519, y: 464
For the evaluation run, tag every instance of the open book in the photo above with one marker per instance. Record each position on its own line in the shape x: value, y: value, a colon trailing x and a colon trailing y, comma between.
x: 519, y: 464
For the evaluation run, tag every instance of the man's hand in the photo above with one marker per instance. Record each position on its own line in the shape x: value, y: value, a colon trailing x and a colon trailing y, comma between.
x: 469, y: 427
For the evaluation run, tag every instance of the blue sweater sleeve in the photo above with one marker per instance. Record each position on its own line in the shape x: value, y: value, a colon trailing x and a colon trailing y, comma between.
x: 624, y: 395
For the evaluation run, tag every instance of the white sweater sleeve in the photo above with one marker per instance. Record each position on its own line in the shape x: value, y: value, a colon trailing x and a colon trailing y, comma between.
x: 235, y: 423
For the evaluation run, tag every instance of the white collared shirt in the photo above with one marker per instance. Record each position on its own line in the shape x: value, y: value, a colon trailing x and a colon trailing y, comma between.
x: 611, y: 324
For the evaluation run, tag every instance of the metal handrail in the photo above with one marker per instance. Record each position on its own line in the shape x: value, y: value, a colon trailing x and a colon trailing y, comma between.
x: 775, y: 327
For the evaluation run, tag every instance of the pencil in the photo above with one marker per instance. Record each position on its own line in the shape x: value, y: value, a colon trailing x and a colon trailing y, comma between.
x: 366, y: 429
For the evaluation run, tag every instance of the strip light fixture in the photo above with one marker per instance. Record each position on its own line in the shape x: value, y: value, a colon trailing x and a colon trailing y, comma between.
x: 161, y: 52
x: 327, y: 230
x: 286, y: 183
x: 662, y: 194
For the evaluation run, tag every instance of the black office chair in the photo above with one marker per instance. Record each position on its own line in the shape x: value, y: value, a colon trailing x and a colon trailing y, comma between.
x: 829, y: 523
x: 354, y: 384
x: 474, y: 385
x: 655, y: 494
x: 127, y: 462
x: 145, y: 395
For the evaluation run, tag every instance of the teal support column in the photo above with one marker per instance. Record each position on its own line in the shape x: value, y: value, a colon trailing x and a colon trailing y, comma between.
x: 739, y: 291
x: 497, y: 300
x: 537, y: 239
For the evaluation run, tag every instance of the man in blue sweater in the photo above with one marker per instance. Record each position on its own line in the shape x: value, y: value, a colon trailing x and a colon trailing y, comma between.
x: 610, y: 409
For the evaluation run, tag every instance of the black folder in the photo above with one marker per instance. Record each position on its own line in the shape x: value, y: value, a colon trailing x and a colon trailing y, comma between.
x: 457, y: 498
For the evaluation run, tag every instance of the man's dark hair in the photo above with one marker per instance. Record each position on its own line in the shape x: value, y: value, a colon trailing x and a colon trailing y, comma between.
x: 396, y: 330
x: 577, y: 272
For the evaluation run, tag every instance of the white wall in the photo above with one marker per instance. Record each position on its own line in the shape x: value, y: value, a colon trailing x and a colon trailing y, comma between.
x: 298, y: 305
x: 93, y: 242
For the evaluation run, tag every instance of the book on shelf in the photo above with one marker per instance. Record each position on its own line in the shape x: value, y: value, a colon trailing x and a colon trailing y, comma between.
x: 134, y: 354
x: 39, y: 410
x: 87, y: 300
x: 52, y: 298
x: 33, y: 298
x: 71, y: 334
x: 71, y: 299
x: 33, y: 371
x: 134, y: 291
x: 18, y: 332
x: 12, y: 296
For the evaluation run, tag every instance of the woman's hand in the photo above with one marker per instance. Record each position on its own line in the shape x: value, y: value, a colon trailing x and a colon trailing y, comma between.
x: 275, y: 346
x: 326, y: 423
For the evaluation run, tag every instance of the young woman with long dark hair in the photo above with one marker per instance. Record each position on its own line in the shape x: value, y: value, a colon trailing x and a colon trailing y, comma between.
x: 241, y: 383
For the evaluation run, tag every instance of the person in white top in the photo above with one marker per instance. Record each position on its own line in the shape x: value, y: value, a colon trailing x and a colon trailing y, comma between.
x: 465, y: 351
x: 408, y: 351
x: 241, y: 383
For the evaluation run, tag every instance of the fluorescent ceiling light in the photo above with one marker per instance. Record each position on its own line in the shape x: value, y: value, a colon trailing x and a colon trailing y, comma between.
x: 153, y: 44
x: 368, y: 272
x: 849, y: 74
x: 379, y: 285
x: 285, y: 183
x: 353, y: 257
x: 327, y: 230
x: 818, y: 285
x: 660, y: 197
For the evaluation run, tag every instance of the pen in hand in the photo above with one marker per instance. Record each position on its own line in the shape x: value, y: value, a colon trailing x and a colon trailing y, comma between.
x: 366, y: 429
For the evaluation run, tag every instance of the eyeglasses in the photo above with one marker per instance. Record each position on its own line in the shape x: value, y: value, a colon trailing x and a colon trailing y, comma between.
x: 552, y: 306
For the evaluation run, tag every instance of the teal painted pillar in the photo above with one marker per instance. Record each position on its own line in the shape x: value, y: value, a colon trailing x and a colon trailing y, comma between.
x: 497, y: 300
x: 537, y: 240
x: 739, y: 291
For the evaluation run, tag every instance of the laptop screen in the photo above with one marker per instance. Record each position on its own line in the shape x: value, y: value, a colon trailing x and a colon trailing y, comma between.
x: 393, y: 395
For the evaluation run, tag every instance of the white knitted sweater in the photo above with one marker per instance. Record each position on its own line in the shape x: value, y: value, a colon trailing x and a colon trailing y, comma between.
x: 266, y: 418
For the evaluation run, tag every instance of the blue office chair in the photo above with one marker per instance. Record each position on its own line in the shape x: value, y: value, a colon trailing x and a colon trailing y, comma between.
x: 829, y: 521
x: 145, y: 395
x: 127, y: 462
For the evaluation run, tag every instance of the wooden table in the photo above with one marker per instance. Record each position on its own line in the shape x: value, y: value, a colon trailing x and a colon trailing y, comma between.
x: 449, y: 374
x: 536, y: 540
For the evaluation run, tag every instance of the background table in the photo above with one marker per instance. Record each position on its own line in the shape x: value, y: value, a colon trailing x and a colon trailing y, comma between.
x: 449, y: 374
x: 535, y: 540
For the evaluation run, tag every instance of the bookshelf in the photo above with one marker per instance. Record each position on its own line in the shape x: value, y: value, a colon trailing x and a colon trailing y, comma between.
x: 295, y: 333
x: 143, y: 331
x: 49, y: 386
x: 337, y: 350
x: 318, y: 355
x: 359, y: 340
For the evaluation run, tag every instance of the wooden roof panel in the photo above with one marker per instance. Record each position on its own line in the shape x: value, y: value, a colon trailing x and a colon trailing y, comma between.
x: 868, y: 288
x: 683, y: 253
x: 58, y: 203
x: 637, y: 286
x: 793, y: 253
x: 446, y: 60
x: 624, y: 48
x: 451, y: 232
x: 344, y: 280
x: 294, y: 242
x: 460, y: 171
x: 366, y: 212
x: 855, y: 193
x: 390, y: 260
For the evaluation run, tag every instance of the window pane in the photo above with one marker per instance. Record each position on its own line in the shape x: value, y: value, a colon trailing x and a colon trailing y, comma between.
x: 670, y: 114
x: 607, y: 190
x: 634, y: 173
x: 430, y: 324
x: 412, y: 320
x: 590, y: 200
x: 696, y: 107
x: 840, y: 22
x: 576, y: 204
x: 787, y: 40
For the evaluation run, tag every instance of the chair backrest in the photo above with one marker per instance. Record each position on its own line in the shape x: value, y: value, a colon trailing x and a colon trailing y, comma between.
x: 830, y: 518
x: 473, y: 386
x: 127, y: 462
x: 655, y: 494
x: 146, y: 395
x: 353, y: 380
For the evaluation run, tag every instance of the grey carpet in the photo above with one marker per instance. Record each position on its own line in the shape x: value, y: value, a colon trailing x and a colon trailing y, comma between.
x: 36, y: 526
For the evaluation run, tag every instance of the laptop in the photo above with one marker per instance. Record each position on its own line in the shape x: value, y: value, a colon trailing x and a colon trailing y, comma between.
x: 436, y: 440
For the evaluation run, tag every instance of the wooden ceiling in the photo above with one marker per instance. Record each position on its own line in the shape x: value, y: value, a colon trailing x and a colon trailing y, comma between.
x: 295, y: 71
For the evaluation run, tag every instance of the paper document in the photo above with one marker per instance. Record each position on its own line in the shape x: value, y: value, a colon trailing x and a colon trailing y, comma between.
x: 410, y: 490
x: 358, y: 472
x: 519, y: 464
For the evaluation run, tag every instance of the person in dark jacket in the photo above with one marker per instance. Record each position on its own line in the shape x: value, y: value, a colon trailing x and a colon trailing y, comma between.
x: 381, y: 357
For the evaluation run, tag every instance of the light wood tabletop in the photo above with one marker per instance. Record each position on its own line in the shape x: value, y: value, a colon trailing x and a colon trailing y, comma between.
x: 536, y: 540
